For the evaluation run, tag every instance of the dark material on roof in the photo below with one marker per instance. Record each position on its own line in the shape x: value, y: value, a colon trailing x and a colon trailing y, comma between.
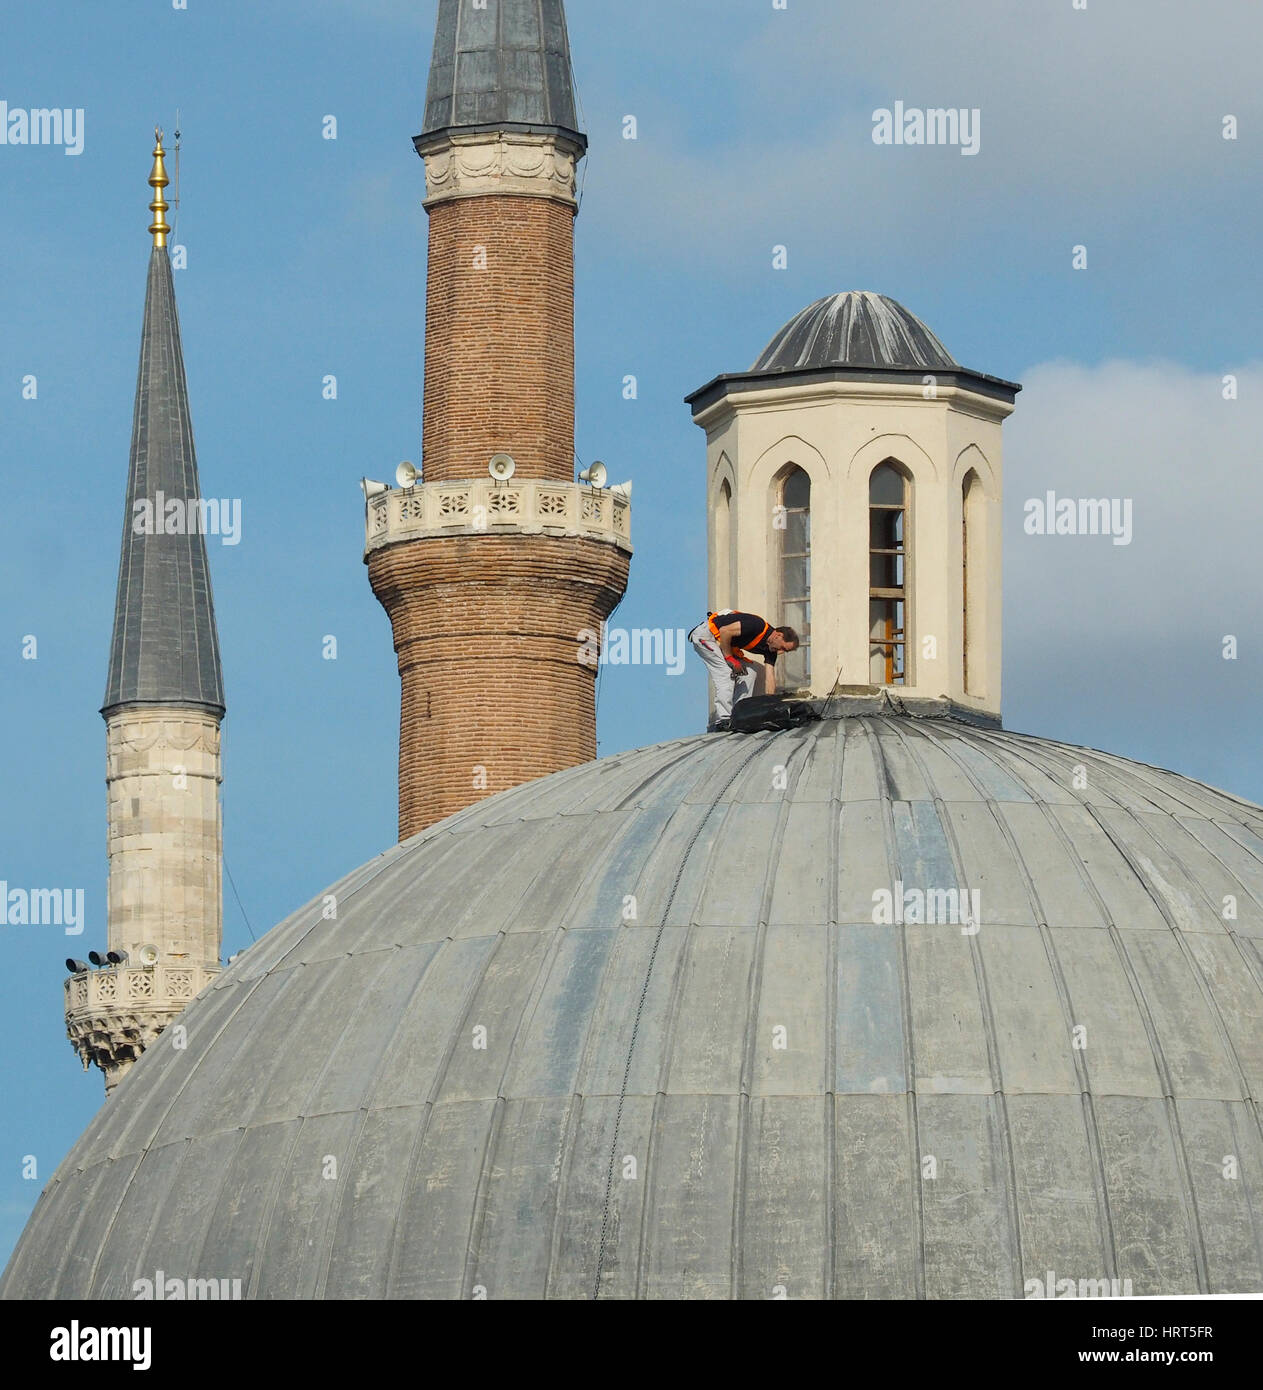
x: 856, y: 329
x: 503, y: 67
x: 165, y: 649
x: 764, y: 713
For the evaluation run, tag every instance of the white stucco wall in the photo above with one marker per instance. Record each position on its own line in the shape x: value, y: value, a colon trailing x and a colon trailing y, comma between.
x: 839, y: 432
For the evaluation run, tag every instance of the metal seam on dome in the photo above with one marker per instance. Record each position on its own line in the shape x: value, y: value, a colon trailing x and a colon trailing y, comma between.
x: 631, y: 1047
x: 430, y: 1105
x: 1243, y: 956
x: 1002, y: 1153
x: 1096, y: 1152
x: 1208, y: 999
x: 1183, y: 1172
x: 482, y: 1188
x: 322, y: 1279
x: 66, y: 1244
x: 1218, y: 858
x: 1096, y: 1148
x: 109, y: 1226
x: 1256, y: 1223
x: 1116, y: 777
x: 999, y: 1095
x: 573, y: 1111
x: 1184, y: 1178
x: 667, y: 766
x: 360, y: 1114
x: 359, y: 879
x: 665, y: 769
x: 252, y: 986
x: 139, y: 1156
x: 891, y: 841
x: 745, y: 1081
x: 285, y: 1164
x: 833, y: 933
x: 552, y: 950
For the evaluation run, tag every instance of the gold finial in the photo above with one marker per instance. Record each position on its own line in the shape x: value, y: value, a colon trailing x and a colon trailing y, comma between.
x: 158, y: 181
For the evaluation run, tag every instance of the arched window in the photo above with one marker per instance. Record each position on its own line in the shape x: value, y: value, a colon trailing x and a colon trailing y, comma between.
x: 972, y: 582
x: 794, y: 607
x: 888, y: 576
x: 723, y: 547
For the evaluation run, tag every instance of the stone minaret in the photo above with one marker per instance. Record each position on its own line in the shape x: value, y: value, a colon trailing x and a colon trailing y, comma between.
x: 496, y: 589
x: 163, y: 705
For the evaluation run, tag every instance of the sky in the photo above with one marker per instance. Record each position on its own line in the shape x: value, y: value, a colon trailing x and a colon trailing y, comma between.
x: 1101, y: 137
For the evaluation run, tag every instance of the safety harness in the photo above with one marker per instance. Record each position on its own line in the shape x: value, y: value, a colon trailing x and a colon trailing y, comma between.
x: 714, y: 627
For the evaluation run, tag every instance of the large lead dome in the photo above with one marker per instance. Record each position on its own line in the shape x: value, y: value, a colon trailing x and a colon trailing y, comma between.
x: 636, y: 1024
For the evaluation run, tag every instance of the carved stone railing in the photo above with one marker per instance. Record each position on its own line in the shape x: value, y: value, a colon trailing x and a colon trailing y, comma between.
x: 113, y: 1014
x: 485, y: 507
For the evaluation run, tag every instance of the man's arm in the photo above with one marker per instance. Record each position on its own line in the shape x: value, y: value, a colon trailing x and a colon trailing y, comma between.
x: 767, y: 681
x: 726, y: 637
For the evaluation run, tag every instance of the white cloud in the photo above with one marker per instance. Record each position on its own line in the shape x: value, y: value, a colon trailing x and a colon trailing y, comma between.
x: 1148, y: 618
x: 1092, y: 121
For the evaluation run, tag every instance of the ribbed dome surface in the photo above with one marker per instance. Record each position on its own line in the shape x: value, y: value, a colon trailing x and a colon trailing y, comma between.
x: 707, y: 1071
x: 856, y: 329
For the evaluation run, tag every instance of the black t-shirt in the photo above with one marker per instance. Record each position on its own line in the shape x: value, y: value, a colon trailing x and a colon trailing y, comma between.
x: 751, y: 626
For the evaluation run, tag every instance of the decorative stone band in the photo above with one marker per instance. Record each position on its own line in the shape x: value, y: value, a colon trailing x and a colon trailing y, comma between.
x: 501, y: 162
x: 112, y: 1015
x: 529, y: 507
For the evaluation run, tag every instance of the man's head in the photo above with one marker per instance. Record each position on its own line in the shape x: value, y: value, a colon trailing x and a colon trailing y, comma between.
x: 782, y: 639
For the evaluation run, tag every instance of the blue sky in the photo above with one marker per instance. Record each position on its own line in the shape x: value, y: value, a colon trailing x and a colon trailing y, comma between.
x: 1100, y: 128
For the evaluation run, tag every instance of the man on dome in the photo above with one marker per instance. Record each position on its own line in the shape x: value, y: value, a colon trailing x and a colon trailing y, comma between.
x: 724, y: 642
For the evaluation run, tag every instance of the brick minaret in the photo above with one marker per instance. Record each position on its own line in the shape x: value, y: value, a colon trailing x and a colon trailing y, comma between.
x: 493, y: 588
x: 164, y: 701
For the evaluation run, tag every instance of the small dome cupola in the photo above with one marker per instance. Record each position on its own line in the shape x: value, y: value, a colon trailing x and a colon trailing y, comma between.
x: 854, y: 329
x: 853, y: 484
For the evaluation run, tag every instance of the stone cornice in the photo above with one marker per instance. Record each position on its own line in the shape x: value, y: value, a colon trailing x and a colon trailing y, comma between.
x: 985, y: 396
x: 500, y: 162
x: 717, y: 402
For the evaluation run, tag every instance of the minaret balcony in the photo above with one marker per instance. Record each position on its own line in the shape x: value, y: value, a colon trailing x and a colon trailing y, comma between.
x: 114, y: 1013
x: 487, y: 507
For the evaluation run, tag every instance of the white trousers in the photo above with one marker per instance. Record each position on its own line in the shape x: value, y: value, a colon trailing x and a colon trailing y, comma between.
x: 726, y: 690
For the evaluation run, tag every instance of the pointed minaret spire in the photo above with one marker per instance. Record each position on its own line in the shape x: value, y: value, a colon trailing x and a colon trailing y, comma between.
x: 165, y: 649
x: 164, y: 701
x: 502, y: 67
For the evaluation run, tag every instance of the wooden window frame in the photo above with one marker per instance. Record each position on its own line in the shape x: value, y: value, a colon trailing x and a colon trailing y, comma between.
x: 894, y: 645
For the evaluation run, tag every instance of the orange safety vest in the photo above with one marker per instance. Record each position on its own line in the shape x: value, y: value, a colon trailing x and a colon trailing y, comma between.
x: 710, y: 622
